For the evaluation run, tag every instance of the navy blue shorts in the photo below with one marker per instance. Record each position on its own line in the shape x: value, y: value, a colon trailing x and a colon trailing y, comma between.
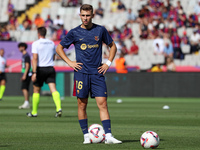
x: 89, y: 83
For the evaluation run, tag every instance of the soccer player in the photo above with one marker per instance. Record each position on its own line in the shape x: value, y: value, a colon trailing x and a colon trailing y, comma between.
x: 89, y: 72
x: 2, y: 73
x: 26, y: 77
x: 43, y: 55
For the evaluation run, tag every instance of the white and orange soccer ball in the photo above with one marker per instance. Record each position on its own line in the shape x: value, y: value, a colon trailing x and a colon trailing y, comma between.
x: 96, y: 133
x: 150, y: 139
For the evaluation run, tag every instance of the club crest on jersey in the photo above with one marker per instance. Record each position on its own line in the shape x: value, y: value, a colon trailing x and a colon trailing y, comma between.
x: 83, y: 46
x: 96, y: 38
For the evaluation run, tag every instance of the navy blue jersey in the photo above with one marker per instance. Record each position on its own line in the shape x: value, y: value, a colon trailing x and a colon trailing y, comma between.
x: 88, y: 46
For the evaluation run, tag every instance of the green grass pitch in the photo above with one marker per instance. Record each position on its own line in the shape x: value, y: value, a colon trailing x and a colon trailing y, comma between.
x: 178, y: 127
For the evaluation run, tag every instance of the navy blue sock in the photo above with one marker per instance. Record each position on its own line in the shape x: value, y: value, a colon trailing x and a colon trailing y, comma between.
x: 84, y: 125
x: 106, y: 126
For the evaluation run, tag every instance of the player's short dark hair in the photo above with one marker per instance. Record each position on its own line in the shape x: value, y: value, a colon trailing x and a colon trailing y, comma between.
x: 42, y: 31
x: 86, y: 7
x: 22, y: 45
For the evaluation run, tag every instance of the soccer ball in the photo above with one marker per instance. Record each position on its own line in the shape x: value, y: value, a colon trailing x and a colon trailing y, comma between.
x: 149, y: 139
x: 96, y: 133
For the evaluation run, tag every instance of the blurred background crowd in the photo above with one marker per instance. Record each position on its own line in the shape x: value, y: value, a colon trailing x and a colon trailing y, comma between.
x: 148, y: 33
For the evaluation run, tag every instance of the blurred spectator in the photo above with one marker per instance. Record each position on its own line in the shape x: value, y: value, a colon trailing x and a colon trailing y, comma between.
x: 61, y: 33
x: 58, y: 21
x: 115, y: 34
x: 155, y: 3
x: 28, y: 21
x: 131, y: 18
x: 185, y: 39
x: 48, y: 22
x: 143, y: 30
x: 5, y: 35
x: 1, y: 38
x: 99, y: 11
x: 197, y: 8
x: 156, y: 13
x: 165, y: 13
x: 176, y: 42
x: 12, y: 23
x: 156, y: 68
x: 121, y: 7
x: 168, y: 5
x: 38, y: 21
x: 124, y: 49
x: 120, y: 64
x: 173, y: 13
x: 170, y: 65
x: 181, y: 20
x: 127, y: 33
x: 194, y: 41
x: 113, y: 6
x: 134, y: 48
x: 192, y: 20
x: 168, y: 50
x: 158, y: 45
x: 10, y: 8
x: 179, y: 6
x: 72, y: 3
x: 26, y: 25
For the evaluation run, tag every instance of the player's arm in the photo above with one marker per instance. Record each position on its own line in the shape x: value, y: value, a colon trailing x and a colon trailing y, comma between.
x: 27, y: 65
x: 34, y: 64
x: 112, y: 53
x: 73, y: 64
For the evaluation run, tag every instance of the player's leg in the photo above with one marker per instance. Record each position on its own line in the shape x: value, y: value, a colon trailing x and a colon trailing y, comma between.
x: 2, y: 88
x: 99, y: 91
x: 82, y: 117
x: 56, y: 98
x: 25, y: 91
x: 105, y: 119
x: 25, y: 105
x: 81, y: 90
x: 35, y: 101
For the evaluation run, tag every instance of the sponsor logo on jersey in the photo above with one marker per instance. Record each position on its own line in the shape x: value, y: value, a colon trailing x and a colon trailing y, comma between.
x: 84, y: 46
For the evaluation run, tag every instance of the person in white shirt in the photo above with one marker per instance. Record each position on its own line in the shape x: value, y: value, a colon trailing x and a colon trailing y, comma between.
x: 43, y: 51
x: 158, y: 45
x: 58, y: 21
x: 194, y: 41
x: 2, y: 73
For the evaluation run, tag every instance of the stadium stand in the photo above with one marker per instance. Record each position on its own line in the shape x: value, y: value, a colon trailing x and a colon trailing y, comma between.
x: 146, y: 57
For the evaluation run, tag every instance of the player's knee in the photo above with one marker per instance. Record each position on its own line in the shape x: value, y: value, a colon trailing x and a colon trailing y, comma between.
x: 102, y: 105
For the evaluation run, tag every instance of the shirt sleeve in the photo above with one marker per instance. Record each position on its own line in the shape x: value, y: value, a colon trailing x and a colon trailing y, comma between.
x: 68, y: 40
x: 27, y: 59
x: 54, y: 48
x: 106, y: 37
x: 34, y: 48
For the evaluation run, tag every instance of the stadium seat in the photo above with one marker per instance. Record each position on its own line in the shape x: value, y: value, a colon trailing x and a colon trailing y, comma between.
x: 185, y: 49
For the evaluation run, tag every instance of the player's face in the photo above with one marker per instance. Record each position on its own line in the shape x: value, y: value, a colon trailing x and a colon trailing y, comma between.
x: 1, y: 52
x: 21, y: 49
x: 86, y: 17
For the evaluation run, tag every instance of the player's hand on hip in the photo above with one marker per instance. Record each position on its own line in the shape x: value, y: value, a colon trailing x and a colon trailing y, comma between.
x: 103, y: 68
x: 33, y: 78
x: 76, y: 66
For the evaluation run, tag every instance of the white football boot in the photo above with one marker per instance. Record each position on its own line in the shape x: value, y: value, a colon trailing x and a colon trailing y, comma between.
x: 86, y: 139
x: 111, y: 140
x: 24, y: 106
